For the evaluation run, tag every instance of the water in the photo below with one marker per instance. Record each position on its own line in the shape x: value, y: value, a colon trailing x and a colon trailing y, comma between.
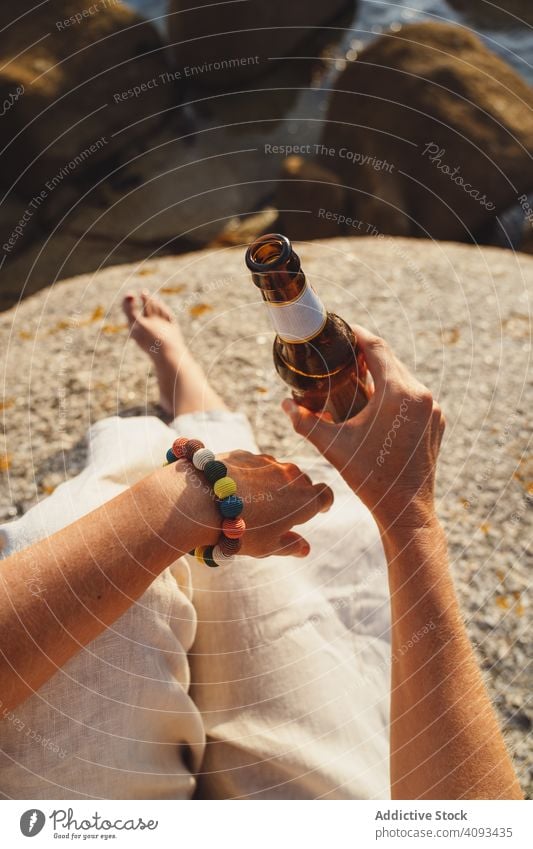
x: 155, y: 10
x: 372, y: 16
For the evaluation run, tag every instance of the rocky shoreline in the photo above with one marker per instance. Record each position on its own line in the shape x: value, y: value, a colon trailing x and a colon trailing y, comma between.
x: 117, y: 144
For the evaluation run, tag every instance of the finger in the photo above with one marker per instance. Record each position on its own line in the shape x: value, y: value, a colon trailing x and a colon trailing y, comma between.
x: 442, y: 428
x: 292, y: 544
x: 438, y: 424
x: 378, y: 355
x: 319, y: 432
x: 324, y: 496
x: 318, y: 499
x: 325, y: 416
x: 145, y: 299
x: 294, y: 473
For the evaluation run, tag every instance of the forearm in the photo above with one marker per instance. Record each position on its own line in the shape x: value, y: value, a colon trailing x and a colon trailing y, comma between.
x: 445, y: 738
x: 90, y: 573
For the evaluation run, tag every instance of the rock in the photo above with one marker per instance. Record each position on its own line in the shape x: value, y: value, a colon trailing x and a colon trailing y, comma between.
x: 47, y: 260
x: 454, y: 312
x: 226, y: 44
x: 13, y: 215
x: 416, y: 114
x: 76, y: 85
x: 504, y: 13
x: 515, y: 226
x: 313, y: 183
x: 172, y: 190
x: 527, y: 244
x: 242, y: 231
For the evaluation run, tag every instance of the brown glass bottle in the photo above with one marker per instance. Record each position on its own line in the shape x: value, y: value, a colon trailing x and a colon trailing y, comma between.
x: 315, y: 352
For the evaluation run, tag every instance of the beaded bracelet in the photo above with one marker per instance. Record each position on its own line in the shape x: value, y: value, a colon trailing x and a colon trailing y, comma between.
x: 229, y: 503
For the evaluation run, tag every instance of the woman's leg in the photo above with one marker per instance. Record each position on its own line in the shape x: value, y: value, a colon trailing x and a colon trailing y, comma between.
x: 185, y: 393
x: 183, y: 385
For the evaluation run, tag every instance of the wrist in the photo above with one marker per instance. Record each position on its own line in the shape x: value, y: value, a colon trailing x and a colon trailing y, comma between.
x: 411, y: 527
x: 192, y: 516
x: 418, y: 572
x: 404, y: 521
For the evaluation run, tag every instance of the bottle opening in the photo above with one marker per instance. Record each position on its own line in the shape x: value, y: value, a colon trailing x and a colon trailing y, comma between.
x: 268, y: 252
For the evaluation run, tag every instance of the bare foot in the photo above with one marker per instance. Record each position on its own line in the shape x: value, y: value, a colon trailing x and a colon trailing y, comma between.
x: 183, y: 386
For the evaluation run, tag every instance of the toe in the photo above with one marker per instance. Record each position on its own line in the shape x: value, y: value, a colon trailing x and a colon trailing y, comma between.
x: 146, y: 302
x: 161, y: 309
x: 130, y: 308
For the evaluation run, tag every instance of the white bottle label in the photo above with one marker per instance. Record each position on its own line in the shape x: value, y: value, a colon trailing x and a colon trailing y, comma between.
x: 298, y: 320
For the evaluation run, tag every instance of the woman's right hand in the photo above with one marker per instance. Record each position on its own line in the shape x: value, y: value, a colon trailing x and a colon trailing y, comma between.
x: 388, y: 452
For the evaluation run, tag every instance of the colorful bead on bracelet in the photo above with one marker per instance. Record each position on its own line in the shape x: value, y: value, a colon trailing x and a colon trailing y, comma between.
x: 229, y: 503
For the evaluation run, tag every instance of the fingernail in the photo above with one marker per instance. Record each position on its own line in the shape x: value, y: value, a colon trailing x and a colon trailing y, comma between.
x: 289, y: 408
x: 329, y: 503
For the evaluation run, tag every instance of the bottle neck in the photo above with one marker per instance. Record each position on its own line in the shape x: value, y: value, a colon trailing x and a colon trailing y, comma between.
x: 296, y: 311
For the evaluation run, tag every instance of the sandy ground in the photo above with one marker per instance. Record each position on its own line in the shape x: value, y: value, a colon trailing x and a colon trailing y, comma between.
x: 459, y: 315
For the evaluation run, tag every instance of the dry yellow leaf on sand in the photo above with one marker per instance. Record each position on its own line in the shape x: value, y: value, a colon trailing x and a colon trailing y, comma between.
x: 98, y: 313
x: 114, y: 328
x: 199, y: 309
x: 172, y: 290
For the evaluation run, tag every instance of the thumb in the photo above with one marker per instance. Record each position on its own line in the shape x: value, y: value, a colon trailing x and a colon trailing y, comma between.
x: 318, y: 431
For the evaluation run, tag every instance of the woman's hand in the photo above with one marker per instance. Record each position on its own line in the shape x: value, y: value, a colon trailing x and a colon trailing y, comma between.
x: 388, y: 452
x: 277, y: 496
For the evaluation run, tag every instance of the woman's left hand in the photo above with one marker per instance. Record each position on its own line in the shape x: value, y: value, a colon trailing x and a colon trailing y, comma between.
x: 277, y: 496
